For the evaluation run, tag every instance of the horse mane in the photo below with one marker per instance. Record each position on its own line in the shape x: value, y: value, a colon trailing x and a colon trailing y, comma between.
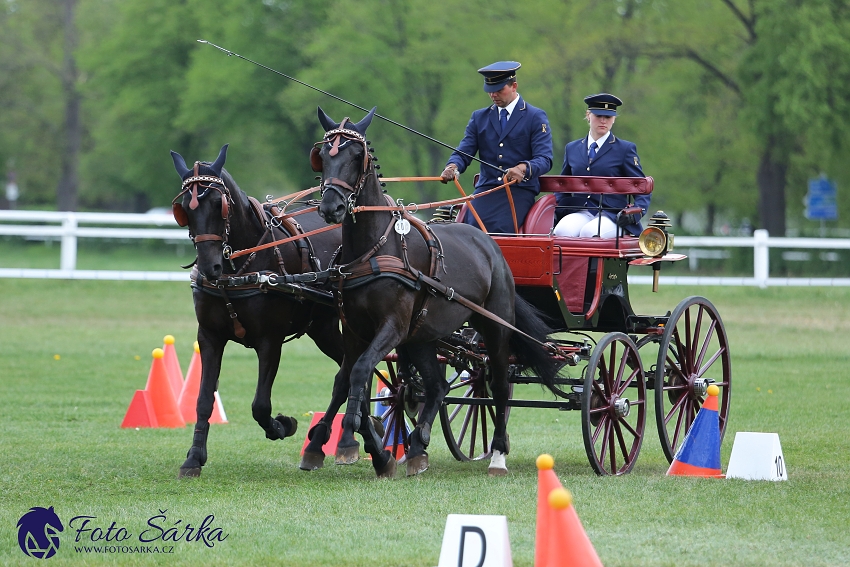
x: 236, y: 193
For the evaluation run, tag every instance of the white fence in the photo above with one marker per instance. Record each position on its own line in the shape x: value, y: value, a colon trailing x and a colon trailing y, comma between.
x: 69, y: 227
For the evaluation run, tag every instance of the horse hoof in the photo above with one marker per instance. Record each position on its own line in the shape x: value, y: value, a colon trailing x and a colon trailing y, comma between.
x: 290, y: 423
x: 347, y: 455
x: 389, y: 469
x: 497, y: 464
x: 417, y: 464
x: 189, y: 472
x: 312, y: 461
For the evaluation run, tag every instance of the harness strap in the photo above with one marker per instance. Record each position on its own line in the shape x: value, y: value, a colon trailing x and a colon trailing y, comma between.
x: 193, y: 203
x: 206, y: 237
x: 451, y: 295
x: 391, y: 264
x: 238, y: 329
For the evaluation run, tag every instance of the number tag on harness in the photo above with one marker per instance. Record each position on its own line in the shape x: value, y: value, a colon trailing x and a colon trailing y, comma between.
x: 402, y: 226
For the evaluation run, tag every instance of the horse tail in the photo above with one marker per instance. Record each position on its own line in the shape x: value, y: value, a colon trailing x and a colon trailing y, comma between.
x: 529, y: 354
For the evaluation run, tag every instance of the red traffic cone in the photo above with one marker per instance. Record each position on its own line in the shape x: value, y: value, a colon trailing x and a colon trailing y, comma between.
x: 162, y: 397
x: 172, y: 365
x: 336, y: 432
x: 699, y: 453
x: 140, y: 413
x: 568, y: 544
x: 188, y: 399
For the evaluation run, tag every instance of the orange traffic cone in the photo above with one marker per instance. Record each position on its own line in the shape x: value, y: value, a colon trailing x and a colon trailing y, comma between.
x: 188, y: 399
x: 161, y: 395
x: 568, y: 543
x: 140, y: 413
x: 547, y: 481
x: 699, y: 453
x: 172, y: 365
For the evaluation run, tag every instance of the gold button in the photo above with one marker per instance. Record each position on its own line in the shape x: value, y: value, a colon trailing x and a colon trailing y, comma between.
x: 500, y: 156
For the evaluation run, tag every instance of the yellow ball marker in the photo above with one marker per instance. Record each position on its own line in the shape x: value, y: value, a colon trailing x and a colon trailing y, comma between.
x: 545, y: 462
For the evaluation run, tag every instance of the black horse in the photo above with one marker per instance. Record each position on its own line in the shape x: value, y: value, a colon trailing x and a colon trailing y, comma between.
x: 406, y: 289
x: 222, y: 218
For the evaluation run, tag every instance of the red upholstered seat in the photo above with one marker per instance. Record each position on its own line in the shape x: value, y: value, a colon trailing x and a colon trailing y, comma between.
x: 541, y: 216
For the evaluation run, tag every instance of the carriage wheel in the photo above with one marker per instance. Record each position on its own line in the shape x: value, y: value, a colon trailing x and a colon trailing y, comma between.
x: 693, y: 354
x: 468, y: 428
x: 613, y: 405
x: 396, y: 407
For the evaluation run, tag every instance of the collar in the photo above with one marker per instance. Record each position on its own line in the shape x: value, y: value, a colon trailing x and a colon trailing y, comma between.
x: 511, y: 106
x: 600, y: 142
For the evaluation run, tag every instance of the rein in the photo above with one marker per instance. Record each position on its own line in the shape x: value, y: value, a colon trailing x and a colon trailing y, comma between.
x: 284, y: 240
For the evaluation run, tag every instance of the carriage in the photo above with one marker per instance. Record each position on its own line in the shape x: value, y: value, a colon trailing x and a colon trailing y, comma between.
x: 581, y: 283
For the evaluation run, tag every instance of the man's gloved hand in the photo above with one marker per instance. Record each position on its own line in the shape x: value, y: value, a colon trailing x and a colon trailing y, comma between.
x: 625, y: 220
x: 449, y: 174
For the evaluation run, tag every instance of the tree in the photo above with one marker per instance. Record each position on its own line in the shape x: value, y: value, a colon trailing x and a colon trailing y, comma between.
x: 787, y: 64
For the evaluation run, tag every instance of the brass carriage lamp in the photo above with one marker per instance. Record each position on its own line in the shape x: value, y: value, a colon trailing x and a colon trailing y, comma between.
x: 655, y: 242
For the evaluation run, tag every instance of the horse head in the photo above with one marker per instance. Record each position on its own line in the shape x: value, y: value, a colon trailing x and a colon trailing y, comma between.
x: 203, y: 205
x: 343, y: 159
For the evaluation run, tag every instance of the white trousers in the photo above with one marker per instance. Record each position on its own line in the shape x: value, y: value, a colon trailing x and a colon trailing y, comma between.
x: 585, y: 223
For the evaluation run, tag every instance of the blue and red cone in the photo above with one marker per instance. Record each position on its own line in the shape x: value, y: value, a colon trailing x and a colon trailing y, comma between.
x: 699, y: 453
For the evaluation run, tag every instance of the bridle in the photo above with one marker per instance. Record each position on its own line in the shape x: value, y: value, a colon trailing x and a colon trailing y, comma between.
x: 339, y: 137
x: 204, y: 182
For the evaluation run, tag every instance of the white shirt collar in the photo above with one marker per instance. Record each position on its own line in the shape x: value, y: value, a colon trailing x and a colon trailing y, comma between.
x: 510, y: 107
x: 599, y: 142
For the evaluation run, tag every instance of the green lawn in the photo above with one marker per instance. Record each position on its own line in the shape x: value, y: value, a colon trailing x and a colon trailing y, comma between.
x: 73, y: 353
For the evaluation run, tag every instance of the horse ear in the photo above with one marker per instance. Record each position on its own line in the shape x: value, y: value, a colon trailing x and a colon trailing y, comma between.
x: 219, y: 161
x: 326, y: 121
x: 179, y: 164
x: 363, y: 124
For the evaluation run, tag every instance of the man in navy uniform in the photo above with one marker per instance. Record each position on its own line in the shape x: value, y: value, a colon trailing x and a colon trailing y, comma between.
x: 512, y: 135
x: 600, y: 154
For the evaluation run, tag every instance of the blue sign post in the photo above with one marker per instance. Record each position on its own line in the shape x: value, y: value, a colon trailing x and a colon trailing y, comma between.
x: 821, y: 202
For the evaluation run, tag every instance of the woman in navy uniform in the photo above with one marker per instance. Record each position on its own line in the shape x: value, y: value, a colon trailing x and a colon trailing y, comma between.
x: 510, y: 134
x: 600, y: 154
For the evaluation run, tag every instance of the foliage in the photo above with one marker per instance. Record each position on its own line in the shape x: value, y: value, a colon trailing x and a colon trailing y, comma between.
x: 714, y: 90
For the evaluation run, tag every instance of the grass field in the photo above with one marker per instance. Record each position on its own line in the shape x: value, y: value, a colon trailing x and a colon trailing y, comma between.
x: 73, y: 353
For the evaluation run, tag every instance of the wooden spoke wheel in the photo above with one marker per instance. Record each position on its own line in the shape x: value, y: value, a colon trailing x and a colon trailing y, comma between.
x: 693, y: 354
x: 613, y: 405
x: 468, y: 426
x: 396, y: 406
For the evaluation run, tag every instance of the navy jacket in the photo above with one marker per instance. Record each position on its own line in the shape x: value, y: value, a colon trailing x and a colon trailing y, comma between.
x: 616, y: 158
x: 527, y: 139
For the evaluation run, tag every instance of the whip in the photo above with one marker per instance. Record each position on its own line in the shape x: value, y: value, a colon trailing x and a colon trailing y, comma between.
x: 333, y: 96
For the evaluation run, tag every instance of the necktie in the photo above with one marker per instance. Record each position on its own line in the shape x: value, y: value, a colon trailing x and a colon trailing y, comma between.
x: 503, y: 118
x: 592, y: 153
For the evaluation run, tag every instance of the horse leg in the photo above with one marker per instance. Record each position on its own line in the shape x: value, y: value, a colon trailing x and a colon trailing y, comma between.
x: 500, y: 388
x: 424, y: 357
x: 314, y: 457
x: 212, y: 350
x: 372, y: 431
x: 327, y: 338
x: 280, y: 427
x: 348, y: 449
